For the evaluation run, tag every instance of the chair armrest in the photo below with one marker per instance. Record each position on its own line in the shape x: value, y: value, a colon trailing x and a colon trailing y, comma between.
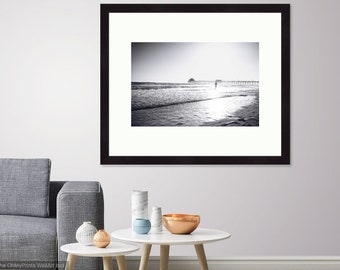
x: 78, y: 202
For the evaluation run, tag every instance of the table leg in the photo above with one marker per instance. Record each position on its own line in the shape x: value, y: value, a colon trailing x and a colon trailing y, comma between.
x: 121, y: 262
x: 145, y: 257
x: 107, y: 263
x: 201, y: 256
x: 164, y: 257
x: 71, y: 260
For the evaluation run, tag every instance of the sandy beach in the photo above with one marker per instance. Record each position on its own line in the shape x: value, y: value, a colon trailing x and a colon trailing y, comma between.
x: 245, y: 116
x: 207, y: 107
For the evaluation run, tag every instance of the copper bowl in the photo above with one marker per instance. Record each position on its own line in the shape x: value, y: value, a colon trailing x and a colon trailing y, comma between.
x: 181, y: 223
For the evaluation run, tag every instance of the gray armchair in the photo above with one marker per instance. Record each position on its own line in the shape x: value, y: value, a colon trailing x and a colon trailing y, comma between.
x: 29, y: 237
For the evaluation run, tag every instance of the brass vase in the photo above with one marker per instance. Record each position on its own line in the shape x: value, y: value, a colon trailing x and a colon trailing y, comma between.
x: 101, y: 239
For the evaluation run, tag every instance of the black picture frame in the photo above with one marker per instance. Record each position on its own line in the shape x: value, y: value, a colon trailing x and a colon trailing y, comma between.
x: 107, y: 158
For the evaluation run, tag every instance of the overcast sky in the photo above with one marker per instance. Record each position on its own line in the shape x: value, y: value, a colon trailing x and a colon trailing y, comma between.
x: 178, y: 62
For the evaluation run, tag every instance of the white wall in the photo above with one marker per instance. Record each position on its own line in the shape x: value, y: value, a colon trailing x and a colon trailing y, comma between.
x: 49, y: 107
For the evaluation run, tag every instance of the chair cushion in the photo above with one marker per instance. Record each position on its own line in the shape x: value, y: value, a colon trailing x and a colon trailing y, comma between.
x: 24, y: 187
x: 27, y: 239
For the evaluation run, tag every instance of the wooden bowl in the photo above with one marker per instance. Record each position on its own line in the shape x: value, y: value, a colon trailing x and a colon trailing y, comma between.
x: 181, y: 223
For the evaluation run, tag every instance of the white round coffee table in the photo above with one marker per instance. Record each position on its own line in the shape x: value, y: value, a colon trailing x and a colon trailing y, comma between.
x: 114, y: 249
x: 165, y: 239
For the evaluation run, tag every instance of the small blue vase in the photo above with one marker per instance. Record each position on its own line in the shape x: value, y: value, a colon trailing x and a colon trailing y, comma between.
x: 141, y: 225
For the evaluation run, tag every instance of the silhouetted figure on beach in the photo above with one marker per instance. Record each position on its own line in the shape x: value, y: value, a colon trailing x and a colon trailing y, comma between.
x: 215, y: 84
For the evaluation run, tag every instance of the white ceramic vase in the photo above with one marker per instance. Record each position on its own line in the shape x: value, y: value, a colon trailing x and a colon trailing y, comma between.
x: 85, y: 233
x: 139, y: 205
x: 156, y: 220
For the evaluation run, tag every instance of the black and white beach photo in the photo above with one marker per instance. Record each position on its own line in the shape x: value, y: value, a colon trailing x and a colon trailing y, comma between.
x: 195, y: 84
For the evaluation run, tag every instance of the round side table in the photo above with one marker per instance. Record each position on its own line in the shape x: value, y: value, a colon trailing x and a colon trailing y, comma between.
x: 119, y: 250
x: 165, y: 239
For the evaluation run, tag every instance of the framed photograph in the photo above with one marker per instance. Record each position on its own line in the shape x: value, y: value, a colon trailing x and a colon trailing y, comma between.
x: 195, y: 83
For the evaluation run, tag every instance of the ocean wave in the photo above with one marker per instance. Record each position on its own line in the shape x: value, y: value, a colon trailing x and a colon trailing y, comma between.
x: 151, y: 106
x: 154, y: 95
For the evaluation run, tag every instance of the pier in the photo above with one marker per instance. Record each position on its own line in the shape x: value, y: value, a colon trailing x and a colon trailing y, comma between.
x: 242, y: 82
x: 227, y: 83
